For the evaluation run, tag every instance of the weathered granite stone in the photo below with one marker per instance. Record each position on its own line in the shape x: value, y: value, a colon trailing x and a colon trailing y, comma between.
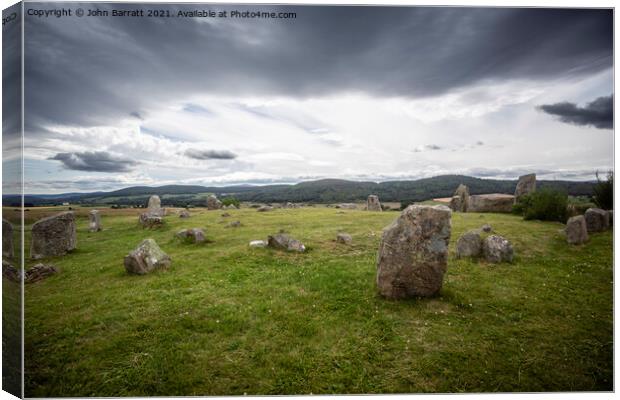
x: 184, y: 214
x: 39, y: 272
x: 53, y: 236
x: 344, y: 238
x: 597, y: 220
x: 194, y: 235
x: 413, y: 253
x: 373, y: 203
x: 213, y: 203
x: 7, y: 239
x: 462, y: 203
x: 486, y: 228
x: 495, y: 203
x: 258, y: 243
x: 525, y: 185
x: 154, y: 207
x: 264, y: 209
x: 497, y: 249
x: 469, y: 244
x: 145, y: 258
x: 150, y: 221
x: 94, y: 218
x: 282, y: 241
x: 576, y: 230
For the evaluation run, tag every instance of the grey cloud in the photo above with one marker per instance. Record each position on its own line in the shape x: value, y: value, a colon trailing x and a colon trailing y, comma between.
x: 210, y: 154
x: 428, y: 147
x: 86, y: 72
x: 598, y: 113
x: 96, y: 161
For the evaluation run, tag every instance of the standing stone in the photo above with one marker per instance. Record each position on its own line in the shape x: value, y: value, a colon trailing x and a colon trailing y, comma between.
x: 344, y: 238
x: 413, y: 254
x: 154, y: 207
x: 576, y: 230
x: 373, y: 204
x: 213, y: 203
x: 493, y: 202
x: 145, y: 258
x: 94, y: 218
x: 462, y: 204
x: 497, y: 249
x: 53, y: 236
x: 597, y: 220
x: 469, y: 244
x: 7, y: 239
x: 525, y: 185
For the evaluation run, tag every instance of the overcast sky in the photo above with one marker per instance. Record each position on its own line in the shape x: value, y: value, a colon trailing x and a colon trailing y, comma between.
x: 362, y: 93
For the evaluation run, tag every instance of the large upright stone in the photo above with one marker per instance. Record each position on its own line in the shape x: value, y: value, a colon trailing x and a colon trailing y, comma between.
x: 460, y: 199
x: 53, y: 236
x: 576, y: 230
x: 154, y: 207
x: 7, y: 239
x: 373, y: 204
x: 94, y: 224
x: 145, y: 258
x: 413, y: 254
x: 213, y: 203
x: 525, y: 185
x: 597, y: 220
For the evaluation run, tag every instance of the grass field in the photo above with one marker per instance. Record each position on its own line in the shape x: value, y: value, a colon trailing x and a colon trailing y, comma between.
x: 228, y: 319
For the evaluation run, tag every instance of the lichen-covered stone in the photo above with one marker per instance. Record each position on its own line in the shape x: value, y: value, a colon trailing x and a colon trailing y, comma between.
x: 597, y: 220
x: 525, y: 185
x: 373, y: 203
x: 148, y: 256
x: 576, y: 230
x: 413, y: 253
x: 469, y: 244
x: 344, y: 238
x: 53, y: 236
x: 282, y: 241
x: 497, y: 249
x: 94, y: 221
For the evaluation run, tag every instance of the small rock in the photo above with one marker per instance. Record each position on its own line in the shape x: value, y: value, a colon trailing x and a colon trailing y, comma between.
x: 38, y: 272
x: 147, y: 257
x: 225, y: 215
x: 469, y: 244
x: 150, y: 221
x: 264, y: 209
x: 258, y: 243
x: 9, y: 271
x: 283, y: 241
x: 194, y: 235
x: 486, y: 228
x: 344, y: 238
x: 184, y: 214
x: 234, y: 224
x: 497, y: 249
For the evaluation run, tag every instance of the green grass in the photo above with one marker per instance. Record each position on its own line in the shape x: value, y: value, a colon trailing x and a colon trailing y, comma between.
x: 228, y: 319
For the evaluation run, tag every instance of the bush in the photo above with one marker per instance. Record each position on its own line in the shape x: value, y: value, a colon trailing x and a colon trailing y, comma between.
x: 230, y: 200
x: 544, y: 205
x: 604, y: 192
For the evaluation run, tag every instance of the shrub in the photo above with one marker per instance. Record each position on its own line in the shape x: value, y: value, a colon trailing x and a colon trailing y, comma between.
x: 544, y: 205
x: 604, y: 192
x: 230, y: 200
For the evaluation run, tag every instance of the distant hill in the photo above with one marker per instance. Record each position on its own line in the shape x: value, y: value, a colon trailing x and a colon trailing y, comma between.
x: 320, y: 191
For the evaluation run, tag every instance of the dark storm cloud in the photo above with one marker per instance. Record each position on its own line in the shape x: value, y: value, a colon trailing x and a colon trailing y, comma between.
x: 95, y: 161
x: 210, y: 154
x: 598, y: 113
x: 90, y: 71
x: 11, y: 77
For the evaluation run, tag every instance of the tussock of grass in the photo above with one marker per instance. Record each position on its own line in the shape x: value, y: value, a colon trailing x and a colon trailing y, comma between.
x: 229, y: 319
